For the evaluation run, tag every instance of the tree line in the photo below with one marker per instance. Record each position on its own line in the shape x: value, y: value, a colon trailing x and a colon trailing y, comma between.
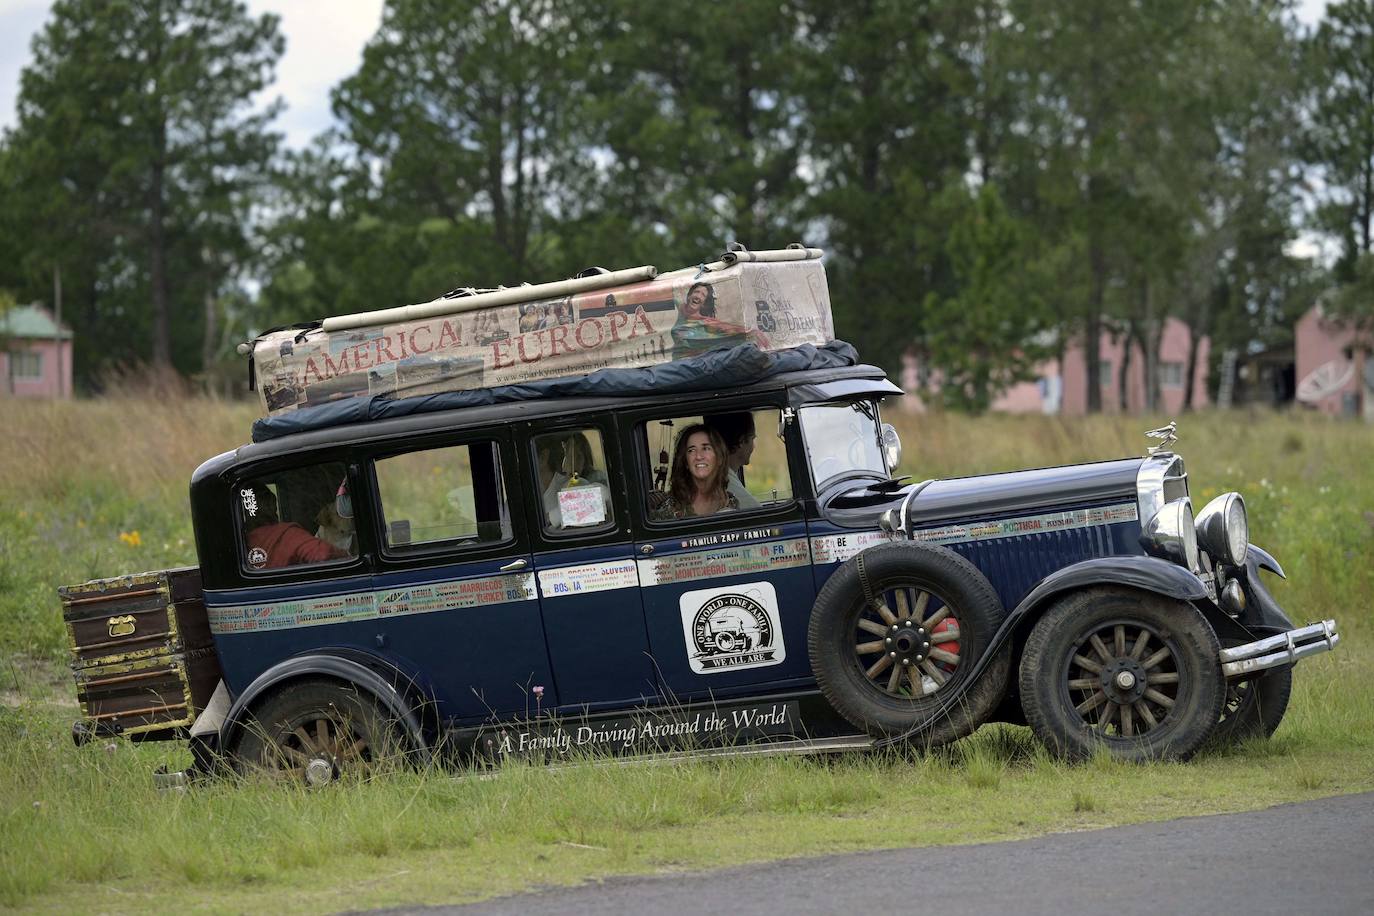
x: 991, y: 178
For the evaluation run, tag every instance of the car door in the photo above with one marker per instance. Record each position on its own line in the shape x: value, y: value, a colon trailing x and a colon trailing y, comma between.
x: 454, y: 581
x: 584, y: 564
x: 274, y: 589
x: 727, y: 597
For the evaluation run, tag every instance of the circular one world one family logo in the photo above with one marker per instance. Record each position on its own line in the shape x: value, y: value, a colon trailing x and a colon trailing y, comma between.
x: 732, y: 628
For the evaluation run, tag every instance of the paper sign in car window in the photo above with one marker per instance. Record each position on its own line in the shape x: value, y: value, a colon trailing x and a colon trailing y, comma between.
x: 581, y: 506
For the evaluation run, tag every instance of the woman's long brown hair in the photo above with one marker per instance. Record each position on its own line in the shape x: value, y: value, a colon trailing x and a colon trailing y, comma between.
x: 681, y: 482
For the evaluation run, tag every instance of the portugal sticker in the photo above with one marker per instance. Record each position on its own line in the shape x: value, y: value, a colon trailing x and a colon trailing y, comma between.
x: 731, y: 628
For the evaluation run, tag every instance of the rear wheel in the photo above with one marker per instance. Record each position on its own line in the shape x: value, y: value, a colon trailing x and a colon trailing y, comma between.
x: 1133, y: 673
x: 315, y: 732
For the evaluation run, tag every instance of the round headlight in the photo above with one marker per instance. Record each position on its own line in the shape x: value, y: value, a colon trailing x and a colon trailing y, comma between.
x: 1224, y: 530
x: 1189, y: 532
x: 1170, y: 534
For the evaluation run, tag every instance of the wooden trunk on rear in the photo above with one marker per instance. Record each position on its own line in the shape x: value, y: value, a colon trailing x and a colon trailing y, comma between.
x: 142, y: 654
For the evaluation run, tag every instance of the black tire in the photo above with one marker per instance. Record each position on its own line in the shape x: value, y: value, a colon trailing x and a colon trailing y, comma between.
x: 920, y: 588
x: 1254, y: 708
x: 314, y: 732
x: 1088, y: 681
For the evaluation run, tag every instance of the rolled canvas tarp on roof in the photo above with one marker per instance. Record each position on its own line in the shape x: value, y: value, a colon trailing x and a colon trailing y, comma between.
x: 730, y: 367
x: 776, y: 301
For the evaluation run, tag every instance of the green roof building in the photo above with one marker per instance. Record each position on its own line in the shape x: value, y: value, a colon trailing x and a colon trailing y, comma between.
x: 35, y: 354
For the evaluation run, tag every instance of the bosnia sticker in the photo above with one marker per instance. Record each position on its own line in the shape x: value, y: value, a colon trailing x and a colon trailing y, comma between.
x: 730, y: 628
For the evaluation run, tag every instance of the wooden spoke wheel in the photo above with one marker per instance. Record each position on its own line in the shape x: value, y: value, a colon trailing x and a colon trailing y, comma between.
x: 1131, y: 672
x: 316, y: 732
x: 906, y: 641
x: 1124, y: 678
x: 896, y: 627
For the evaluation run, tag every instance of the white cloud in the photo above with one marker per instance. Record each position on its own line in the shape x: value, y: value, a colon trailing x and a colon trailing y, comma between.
x: 1310, y: 12
x: 19, y: 20
x: 324, y: 44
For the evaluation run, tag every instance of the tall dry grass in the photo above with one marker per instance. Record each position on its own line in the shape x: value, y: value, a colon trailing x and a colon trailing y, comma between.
x: 134, y: 442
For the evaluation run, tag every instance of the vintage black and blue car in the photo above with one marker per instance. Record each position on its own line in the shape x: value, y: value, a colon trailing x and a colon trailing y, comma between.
x: 500, y: 578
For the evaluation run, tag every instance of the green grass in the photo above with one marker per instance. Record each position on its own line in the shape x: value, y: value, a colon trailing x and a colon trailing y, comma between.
x: 83, y: 829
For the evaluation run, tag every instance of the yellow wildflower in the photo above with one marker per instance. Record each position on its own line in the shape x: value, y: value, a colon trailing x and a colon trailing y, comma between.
x: 131, y: 538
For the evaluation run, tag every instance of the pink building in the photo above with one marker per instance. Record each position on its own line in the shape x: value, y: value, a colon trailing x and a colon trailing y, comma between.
x: 1334, y: 369
x: 35, y: 354
x: 1061, y: 386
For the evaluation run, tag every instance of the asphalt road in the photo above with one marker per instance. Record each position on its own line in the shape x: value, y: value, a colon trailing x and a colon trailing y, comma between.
x: 1310, y: 858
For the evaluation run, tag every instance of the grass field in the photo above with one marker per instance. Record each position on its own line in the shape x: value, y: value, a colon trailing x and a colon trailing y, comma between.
x: 98, y: 488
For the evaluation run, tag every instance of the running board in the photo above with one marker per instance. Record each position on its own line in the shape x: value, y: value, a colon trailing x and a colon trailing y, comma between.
x: 1283, y: 649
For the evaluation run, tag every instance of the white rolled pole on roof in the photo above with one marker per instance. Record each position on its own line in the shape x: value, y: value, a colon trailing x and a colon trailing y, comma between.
x: 731, y: 258
x: 508, y: 296
x: 531, y: 293
x: 797, y: 253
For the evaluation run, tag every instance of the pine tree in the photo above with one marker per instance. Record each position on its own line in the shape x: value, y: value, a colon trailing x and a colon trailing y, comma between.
x: 138, y: 139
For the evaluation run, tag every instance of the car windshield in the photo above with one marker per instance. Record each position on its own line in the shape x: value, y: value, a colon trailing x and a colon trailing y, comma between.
x: 841, y: 438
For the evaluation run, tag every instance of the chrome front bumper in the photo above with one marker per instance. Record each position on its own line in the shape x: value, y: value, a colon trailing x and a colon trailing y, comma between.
x: 1283, y: 649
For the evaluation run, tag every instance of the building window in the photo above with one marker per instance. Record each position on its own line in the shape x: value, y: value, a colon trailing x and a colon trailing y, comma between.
x: 1104, y: 373
x: 26, y: 364
x: 1171, y: 375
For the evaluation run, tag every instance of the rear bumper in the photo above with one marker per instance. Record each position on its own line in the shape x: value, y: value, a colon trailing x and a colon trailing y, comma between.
x: 1283, y: 649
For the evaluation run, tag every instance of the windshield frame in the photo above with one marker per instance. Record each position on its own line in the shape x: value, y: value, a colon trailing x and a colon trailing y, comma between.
x: 868, y: 406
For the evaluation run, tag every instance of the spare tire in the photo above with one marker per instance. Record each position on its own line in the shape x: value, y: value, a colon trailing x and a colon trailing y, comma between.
x: 899, y: 626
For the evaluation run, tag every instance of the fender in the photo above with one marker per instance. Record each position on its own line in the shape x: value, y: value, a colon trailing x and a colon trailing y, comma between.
x: 1265, y: 560
x: 351, y: 666
x: 1149, y: 574
x: 1262, y: 613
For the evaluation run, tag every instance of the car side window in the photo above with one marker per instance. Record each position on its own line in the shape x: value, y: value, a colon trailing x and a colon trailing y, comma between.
x: 296, y: 517
x: 449, y: 494
x: 574, y: 488
x: 724, y: 461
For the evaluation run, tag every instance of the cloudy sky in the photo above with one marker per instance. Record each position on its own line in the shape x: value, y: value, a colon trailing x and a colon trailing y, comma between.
x: 324, y: 38
x: 324, y: 43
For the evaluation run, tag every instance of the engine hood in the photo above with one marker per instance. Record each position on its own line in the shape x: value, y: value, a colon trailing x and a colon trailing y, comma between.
x: 987, y: 495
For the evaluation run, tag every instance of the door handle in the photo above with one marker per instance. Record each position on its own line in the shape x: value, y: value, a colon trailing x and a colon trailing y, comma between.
x: 515, y: 565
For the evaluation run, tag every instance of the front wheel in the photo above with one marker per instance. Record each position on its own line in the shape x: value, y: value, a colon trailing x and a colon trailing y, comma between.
x: 1254, y: 708
x: 1133, y: 673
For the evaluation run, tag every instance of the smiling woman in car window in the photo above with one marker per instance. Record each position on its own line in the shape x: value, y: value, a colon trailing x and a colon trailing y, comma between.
x: 697, y: 485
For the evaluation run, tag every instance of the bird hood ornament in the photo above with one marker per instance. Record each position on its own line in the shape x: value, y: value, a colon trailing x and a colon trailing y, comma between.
x: 1167, y: 434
